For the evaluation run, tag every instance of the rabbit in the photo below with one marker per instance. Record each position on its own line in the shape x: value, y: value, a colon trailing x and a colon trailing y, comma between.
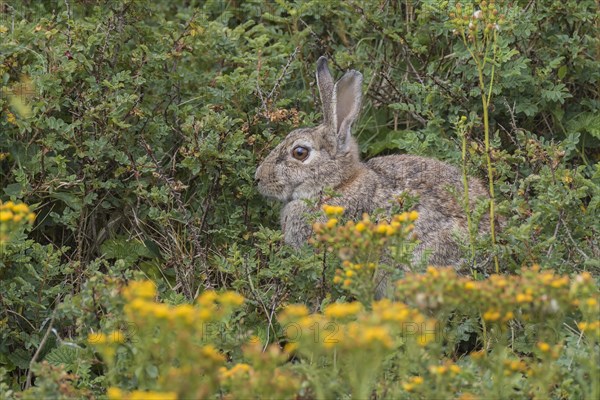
x: 310, y: 160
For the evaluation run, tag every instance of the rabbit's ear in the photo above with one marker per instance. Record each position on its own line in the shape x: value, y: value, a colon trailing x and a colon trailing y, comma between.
x: 326, y: 91
x: 347, y: 97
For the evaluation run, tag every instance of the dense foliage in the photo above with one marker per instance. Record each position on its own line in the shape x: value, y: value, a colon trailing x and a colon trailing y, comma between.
x: 129, y: 136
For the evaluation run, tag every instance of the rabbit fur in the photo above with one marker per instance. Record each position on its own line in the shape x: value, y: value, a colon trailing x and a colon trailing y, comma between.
x: 332, y: 161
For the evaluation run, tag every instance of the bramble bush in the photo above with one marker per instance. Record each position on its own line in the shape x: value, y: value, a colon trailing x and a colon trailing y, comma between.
x: 137, y: 259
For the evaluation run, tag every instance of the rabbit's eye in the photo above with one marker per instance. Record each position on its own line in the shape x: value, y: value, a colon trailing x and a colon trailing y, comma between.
x: 300, y: 153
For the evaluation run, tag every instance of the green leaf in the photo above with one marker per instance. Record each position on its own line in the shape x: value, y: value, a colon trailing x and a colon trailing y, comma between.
x: 562, y: 72
x: 69, y: 199
x: 65, y: 355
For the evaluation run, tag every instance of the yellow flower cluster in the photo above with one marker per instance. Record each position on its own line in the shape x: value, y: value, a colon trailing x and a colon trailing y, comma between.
x: 532, y: 295
x: 350, y: 327
x: 211, y: 353
x: 548, y: 350
x: 212, y: 305
x: 512, y: 366
x: 332, y: 210
x: 342, y: 310
x: 10, y: 211
x: 235, y: 371
x: 399, y: 224
x: 355, y: 336
x: 145, y: 290
x: 114, y: 393
x: 395, y: 312
x: 413, y: 383
x: 447, y: 368
x: 13, y: 215
x: 296, y: 311
x: 351, y: 271
x: 10, y: 117
x: 495, y: 315
x: 590, y: 329
x: 101, y: 338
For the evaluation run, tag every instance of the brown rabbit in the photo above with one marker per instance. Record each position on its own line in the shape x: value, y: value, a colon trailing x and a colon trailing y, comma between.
x: 310, y: 160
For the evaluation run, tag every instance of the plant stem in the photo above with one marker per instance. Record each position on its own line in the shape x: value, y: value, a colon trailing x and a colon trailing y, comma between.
x: 466, y: 196
x: 485, y: 101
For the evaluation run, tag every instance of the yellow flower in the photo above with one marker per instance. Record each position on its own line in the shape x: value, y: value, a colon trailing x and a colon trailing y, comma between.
x: 211, y: 353
x: 5, y: 216
x: 331, y: 223
x: 237, y: 369
x: 413, y: 215
x: 591, y: 302
x: 347, y: 282
x: 349, y: 273
x: 517, y: 365
x: 18, y: 218
x: 10, y: 118
x: 114, y: 393
x: 295, y: 310
x: 205, y: 314
x: 342, y: 310
x: 378, y: 334
x: 21, y: 208
x: 231, y: 298
x: 409, y: 387
x: 360, y: 227
x: 381, y: 228
x: 417, y: 380
x: 290, y: 348
x: 337, y: 279
x: 31, y: 217
x: 241, y: 368
x: 560, y: 282
x: 524, y: 298
x: 140, y: 289
x: 142, y: 395
x: 138, y: 305
x: 333, y: 210
x: 161, y: 310
x: 543, y: 346
x: 207, y: 298
x: 3, y: 29
x: 402, y: 217
x: 7, y: 206
x: 470, y: 285
x: 438, y: 370
x: 491, y: 315
x: 97, y: 338
x: 117, y: 337
x: 454, y: 368
x: 185, y: 312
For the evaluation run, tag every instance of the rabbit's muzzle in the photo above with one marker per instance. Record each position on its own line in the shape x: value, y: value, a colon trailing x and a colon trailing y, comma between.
x: 268, y: 183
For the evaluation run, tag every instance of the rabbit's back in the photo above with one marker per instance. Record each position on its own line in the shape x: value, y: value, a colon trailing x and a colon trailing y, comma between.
x: 439, y: 187
x: 436, y: 183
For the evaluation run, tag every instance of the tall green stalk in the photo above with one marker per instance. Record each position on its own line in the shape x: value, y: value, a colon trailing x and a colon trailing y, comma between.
x: 486, y: 94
